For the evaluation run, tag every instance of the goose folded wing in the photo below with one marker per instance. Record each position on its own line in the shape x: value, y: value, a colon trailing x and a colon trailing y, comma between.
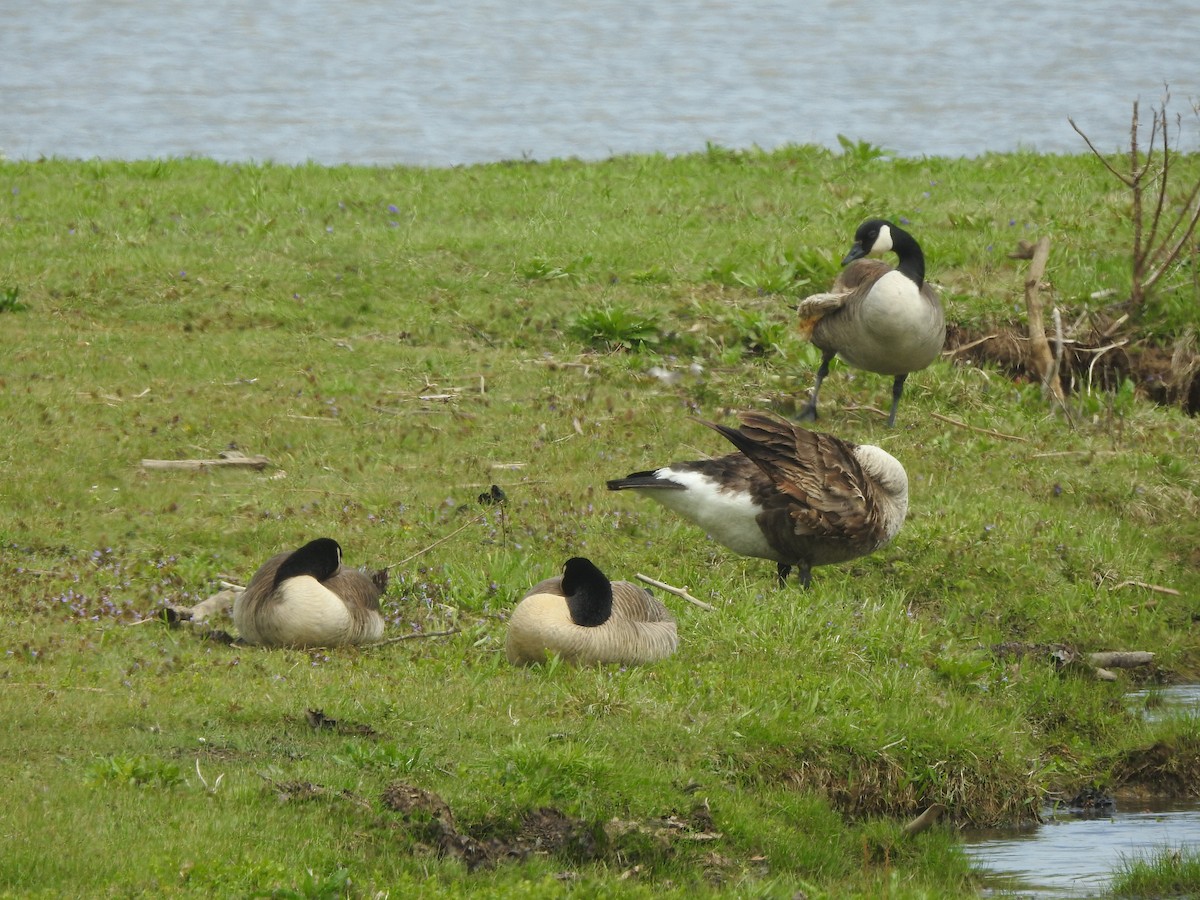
x: 829, y: 494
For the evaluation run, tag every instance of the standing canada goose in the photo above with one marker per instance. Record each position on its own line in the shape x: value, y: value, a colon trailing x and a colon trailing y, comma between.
x: 791, y: 495
x: 585, y: 619
x: 307, y: 598
x: 877, y: 318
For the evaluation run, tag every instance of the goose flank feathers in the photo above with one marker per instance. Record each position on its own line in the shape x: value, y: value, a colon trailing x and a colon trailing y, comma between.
x: 307, y: 598
x: 587, y: 619
x: 794, y: 496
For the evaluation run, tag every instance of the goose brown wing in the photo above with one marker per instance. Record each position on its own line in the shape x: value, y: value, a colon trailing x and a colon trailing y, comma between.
x: 856, y: 277
x: 357, y: 589
x: 859, y: 273
x: 815, y: 476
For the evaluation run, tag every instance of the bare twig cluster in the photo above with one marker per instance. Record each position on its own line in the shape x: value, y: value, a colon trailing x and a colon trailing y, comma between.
x: 1163, y: 231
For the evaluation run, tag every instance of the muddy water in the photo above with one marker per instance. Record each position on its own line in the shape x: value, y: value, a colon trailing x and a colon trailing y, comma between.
x: 1072, y: 856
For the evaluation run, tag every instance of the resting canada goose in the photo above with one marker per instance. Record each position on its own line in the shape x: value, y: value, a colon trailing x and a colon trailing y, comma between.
x: 585, y: 618
x: 877, y: 318
x: 791, y: 495
x: 307, y: 598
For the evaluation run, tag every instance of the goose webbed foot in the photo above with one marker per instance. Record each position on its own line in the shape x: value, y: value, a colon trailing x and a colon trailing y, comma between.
x: 808, y: 413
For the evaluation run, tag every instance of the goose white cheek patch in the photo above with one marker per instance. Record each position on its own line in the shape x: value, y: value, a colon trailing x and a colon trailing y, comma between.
x: 883, y: 243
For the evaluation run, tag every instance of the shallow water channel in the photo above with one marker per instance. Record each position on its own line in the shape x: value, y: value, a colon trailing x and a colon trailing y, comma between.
x: 1075, y: 856
x: 1071, y: 856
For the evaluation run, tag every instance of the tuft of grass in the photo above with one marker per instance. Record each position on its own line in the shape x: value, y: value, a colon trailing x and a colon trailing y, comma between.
x: 138, y: 771
x: 1167, y: 872
x: 10, y: 300
x: 616, y: 326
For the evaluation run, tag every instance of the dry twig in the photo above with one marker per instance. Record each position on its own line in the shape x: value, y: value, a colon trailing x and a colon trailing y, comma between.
x: 1158, y: 247
x: 987, y: 431
x: 475, y: 521
x: 678, y: 592
x: 1149, y: 587
x: 416, y: 636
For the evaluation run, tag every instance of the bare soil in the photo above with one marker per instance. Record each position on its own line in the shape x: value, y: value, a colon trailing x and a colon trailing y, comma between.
x: 1101, y: 356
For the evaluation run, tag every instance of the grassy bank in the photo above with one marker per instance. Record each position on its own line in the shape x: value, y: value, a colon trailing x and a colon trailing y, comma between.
x: 396, y: 341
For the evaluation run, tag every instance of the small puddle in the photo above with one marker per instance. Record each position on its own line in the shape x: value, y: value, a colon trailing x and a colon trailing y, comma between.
x: 1074, y: 856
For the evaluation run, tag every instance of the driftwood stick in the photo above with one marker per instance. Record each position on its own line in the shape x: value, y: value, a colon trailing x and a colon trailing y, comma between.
x: 230, y: 458
x: 1121, y: 659
x: 414, y: 637
x: 1043, y: 359
x: 987, y: 431
x: 678, y: 592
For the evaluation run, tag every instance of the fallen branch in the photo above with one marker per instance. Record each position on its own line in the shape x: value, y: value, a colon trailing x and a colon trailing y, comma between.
x: 678, y: 592
x: 233, y: 458
x: 1121, y: 659
x: 987, y: 431
x: 41, y: 685
x: 1044, y: 361
x: 1050, y: 453
x: 414, y: 637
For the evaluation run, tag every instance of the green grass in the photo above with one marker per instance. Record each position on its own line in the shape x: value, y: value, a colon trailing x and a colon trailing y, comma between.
x: 396, y: 340
x: 1169, y: 872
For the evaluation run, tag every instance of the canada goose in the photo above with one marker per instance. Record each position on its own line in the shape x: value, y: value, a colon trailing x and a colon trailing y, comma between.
x: 877, y: 318
x: 307, y: 598
x: 585, y: 618
x: 791, y: 495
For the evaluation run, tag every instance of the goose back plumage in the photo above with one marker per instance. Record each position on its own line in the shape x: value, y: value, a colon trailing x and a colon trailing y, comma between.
x: 631, y: 627
x: 790, y: 495
x: 307, y: 598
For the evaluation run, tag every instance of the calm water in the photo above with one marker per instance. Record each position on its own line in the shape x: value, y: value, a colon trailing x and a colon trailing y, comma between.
x: 363, y: 81
x: 1072, y: 856
x: 1076, y: 857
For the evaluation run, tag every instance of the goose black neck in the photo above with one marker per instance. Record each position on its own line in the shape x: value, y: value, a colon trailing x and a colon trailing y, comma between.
x: 912, y: 260
x: 319, y: 558
x: 588, y: 593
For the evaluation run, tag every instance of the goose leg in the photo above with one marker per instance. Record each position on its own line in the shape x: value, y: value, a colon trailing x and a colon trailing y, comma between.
x: 805, y: 576
x: 809, y: 413
x: 897, y: 390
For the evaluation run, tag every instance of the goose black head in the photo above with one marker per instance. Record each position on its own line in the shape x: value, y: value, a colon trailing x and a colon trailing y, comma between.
x: 873, y: 237
x: 319, y: 558
x: 588, y: 592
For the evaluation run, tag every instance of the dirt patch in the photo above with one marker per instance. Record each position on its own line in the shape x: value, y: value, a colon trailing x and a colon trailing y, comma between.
x: 1164, y: 769
x: 542, y: 832
x: 1098, y: 357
